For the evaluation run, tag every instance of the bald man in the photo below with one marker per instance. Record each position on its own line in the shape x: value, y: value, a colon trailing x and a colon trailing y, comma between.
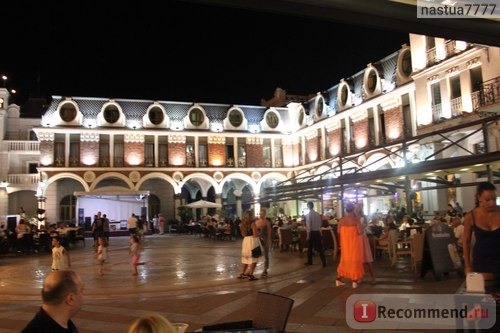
x: 62, y: 298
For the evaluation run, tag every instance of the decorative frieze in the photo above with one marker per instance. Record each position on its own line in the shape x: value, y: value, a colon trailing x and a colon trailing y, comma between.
x: 217, y: 140
x: 254, y: 141
x: 44, y: 136
x: 134, y: 137
x: 176, y: 139
x: 89, y: 137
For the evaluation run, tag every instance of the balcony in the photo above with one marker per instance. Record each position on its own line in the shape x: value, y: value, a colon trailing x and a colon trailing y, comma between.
x: 27, y: 181
x: 21, y: 146
x: 487, y: 95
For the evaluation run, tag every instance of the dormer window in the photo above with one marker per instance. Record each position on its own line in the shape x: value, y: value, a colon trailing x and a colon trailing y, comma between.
x: 196, y: 117
x: 371, y: 81
x: 301, y: 117
x: 67, y: 112
x: 406, y: 63
x: 344, y: 93
x: 155, y: 115
x: 235, y: 118
x: 272, y: 119
x: 111, y: 114
x: 320, y: 107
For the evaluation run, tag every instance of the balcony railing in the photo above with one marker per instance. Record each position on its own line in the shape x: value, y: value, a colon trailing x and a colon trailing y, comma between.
x: 456, y: 107
x: 23, y: 179
x: 488, y: 94
x: 437, y: 113
x: 24, y: 146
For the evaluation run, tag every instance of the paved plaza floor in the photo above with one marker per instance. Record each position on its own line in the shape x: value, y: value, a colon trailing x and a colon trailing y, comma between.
x: 192, y: 279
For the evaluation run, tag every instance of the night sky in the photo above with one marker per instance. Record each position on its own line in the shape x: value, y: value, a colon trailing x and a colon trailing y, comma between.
x: 177, y: 51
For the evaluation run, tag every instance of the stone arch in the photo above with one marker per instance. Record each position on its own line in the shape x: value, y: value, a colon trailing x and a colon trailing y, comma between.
x: 110, y: 175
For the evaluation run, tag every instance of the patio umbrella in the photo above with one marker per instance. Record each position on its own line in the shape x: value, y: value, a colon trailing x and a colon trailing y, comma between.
x: 203, y: 204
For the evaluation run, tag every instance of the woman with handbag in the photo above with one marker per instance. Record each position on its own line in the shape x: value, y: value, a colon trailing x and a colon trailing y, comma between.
x: 251, y: 248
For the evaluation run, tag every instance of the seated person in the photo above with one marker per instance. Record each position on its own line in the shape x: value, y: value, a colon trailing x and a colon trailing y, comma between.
x: 458, y: 229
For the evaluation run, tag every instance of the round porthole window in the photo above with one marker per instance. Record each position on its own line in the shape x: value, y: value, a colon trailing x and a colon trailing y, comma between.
x: 320, y: 107
x: 301, y: 117
x: 235, y: 118
x: 344, y: 93
x: 67, y: 112
x: 111, y: 114
x: 155, y: 115
x: 406, y: 68
x: 272, y: 119
x: 196, y: 117
x: 371, y: 80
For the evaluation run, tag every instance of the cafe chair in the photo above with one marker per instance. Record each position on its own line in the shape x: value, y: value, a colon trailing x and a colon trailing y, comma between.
x: 399, y: 248
x: 417, y: 250
x: 303, y: 241
x: 270, y: 313
x: 287, y: 242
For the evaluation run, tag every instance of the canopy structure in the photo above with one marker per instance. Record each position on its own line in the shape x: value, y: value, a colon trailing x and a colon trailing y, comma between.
x: 203, y: 204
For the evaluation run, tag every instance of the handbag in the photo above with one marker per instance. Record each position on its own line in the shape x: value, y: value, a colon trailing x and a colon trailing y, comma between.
x: 256, y: 252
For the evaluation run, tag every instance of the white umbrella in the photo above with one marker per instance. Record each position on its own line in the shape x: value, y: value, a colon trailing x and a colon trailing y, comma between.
x: 203, y: 204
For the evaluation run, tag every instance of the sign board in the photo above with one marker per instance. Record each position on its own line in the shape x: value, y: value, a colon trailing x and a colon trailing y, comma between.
x: 440, y: 252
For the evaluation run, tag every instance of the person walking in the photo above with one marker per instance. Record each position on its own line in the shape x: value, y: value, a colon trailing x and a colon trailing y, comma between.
x: 161, y: 223
x: 60, y: 256
x: 62, y: 298
x: 251, y: 242
x: 102, y: 253
x: 367, y: 251
x: 265, y: 231
x: 105, y: 226
x: 351, y: 254
x: 314, y: 241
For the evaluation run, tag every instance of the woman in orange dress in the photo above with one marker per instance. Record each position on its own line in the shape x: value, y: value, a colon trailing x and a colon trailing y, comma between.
x: 351, y: 245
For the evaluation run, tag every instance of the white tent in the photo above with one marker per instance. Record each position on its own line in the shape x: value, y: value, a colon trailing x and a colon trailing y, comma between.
x: 203, y: 204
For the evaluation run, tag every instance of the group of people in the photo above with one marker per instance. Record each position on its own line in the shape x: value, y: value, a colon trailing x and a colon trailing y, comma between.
x: 63, y: 297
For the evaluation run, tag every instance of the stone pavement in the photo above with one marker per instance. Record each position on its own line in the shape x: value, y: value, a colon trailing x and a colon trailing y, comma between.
x: 192, y: 279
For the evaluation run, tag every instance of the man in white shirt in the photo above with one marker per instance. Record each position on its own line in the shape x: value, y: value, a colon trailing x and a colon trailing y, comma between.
x: 314, y: 238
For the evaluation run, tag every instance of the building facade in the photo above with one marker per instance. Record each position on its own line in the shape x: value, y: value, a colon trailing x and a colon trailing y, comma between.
x: 418, y: 128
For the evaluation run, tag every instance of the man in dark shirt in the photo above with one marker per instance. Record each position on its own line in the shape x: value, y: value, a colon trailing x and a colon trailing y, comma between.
x: 313, y: 225
x: 62, y: 298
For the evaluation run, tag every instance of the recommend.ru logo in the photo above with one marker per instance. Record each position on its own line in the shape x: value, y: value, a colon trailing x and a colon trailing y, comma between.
x: 421, y: 311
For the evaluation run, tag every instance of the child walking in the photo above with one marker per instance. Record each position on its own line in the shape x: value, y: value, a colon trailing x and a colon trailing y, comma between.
x: 135, y: 252
x: 102, y: 253
x: 59, y: 253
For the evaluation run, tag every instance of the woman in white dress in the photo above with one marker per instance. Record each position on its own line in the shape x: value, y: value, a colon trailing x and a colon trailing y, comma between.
x: 251, y: 242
